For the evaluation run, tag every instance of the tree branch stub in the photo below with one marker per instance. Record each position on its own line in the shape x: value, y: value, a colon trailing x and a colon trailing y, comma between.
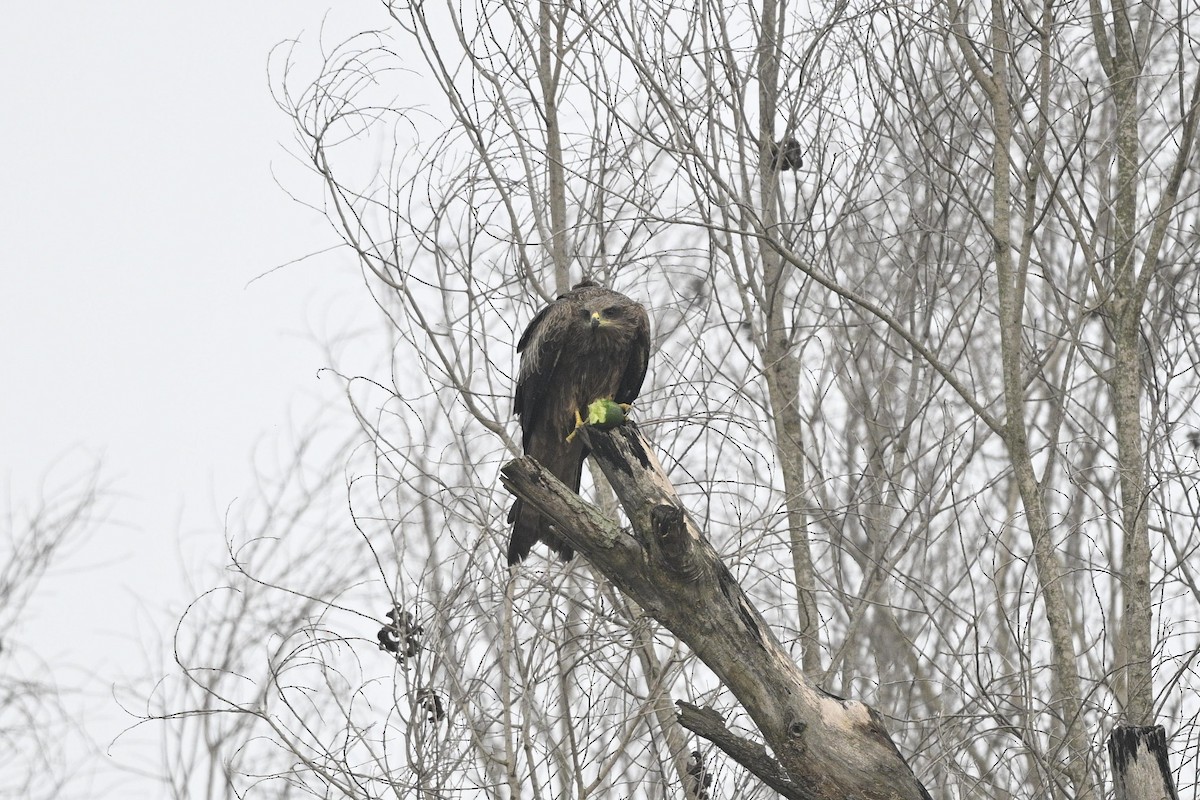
x: 1139, y: 763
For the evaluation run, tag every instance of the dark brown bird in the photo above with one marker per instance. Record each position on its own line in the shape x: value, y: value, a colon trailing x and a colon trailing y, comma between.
x: 590, y: 343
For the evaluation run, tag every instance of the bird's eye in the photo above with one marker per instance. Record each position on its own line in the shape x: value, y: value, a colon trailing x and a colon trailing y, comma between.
x: 612, y: 311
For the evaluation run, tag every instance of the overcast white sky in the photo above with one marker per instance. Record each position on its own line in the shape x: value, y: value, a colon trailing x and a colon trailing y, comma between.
x: 136, y: 206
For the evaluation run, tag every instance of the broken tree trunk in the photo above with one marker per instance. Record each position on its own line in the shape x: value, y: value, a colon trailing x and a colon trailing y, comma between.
x: 1139, y: 763
x: 826, y: 748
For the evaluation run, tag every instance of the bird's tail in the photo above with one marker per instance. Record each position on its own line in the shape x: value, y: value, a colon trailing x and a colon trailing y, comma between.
x: 530, y: 526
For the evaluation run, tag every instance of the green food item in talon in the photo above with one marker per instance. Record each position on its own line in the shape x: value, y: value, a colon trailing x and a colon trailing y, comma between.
x: 605, y: 413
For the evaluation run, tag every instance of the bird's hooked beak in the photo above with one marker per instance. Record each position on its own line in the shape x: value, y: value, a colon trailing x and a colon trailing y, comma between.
x: 596, y: 320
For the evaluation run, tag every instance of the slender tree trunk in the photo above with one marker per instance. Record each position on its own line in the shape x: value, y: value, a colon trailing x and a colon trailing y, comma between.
x: 1125, y: 306
x: 550, y: 30
x: 782, y: 367
x: 1066, y: 697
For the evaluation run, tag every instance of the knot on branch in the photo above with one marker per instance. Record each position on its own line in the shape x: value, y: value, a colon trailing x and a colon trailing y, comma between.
x: 673, y: 541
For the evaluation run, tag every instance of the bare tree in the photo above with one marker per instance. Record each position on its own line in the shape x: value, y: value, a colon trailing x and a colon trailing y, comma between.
x: 924, y: 373
x: 35, y: 721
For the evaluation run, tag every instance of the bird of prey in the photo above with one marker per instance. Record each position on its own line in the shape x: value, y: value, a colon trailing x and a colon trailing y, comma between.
x: 590, y: 343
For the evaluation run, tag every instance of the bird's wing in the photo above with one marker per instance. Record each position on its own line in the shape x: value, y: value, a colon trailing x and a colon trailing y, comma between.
x: 540, y: 347
x: 639, y: 359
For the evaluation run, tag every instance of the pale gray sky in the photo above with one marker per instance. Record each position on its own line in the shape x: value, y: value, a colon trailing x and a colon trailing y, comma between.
x: 136, y: 206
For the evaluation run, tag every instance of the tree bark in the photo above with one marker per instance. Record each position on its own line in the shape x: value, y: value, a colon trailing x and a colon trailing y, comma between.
x: 1125, y: 307
x: 828, y: 747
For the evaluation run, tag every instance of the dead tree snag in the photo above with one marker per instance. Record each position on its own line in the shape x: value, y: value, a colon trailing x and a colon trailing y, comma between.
x: 827, y: 748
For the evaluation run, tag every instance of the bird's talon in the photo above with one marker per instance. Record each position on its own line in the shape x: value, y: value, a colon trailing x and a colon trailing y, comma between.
x: 578, y: 424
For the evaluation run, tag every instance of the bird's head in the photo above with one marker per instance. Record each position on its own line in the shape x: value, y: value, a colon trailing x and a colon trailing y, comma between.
x: 606, y: 318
